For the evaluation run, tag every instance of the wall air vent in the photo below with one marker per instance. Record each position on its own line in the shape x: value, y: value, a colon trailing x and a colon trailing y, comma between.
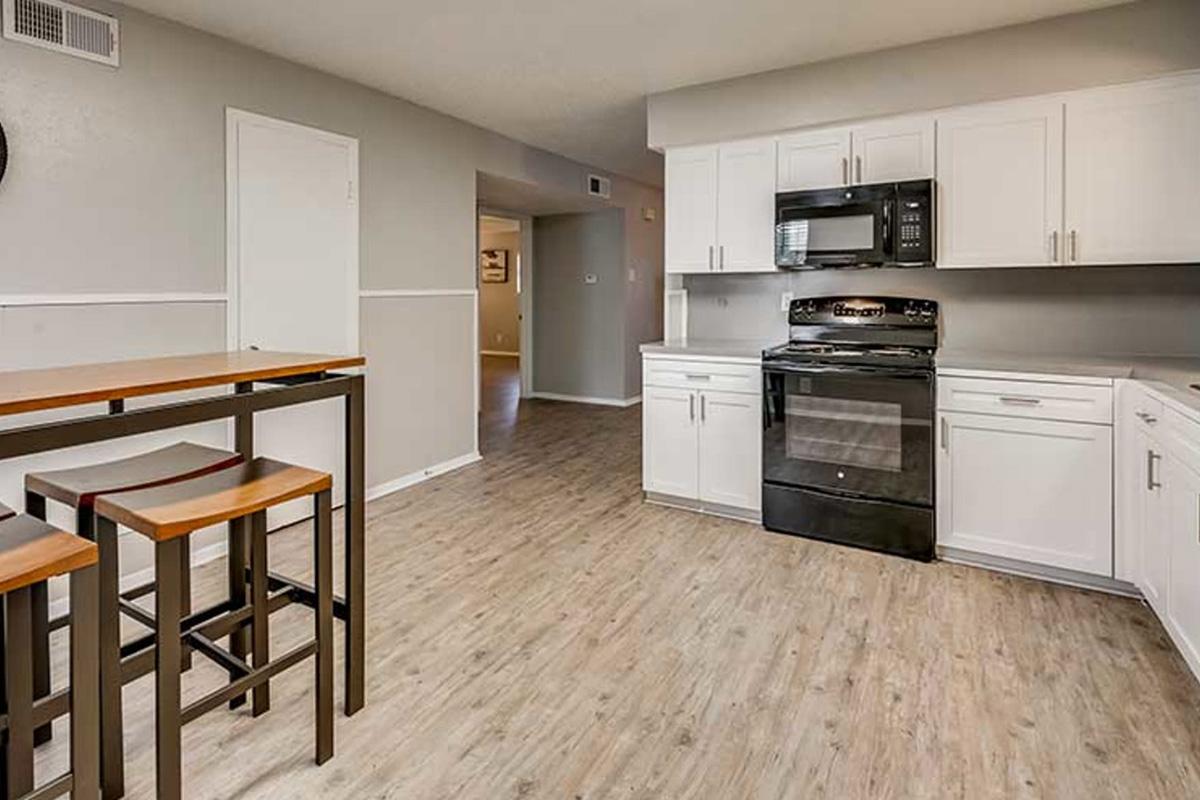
x: 64, y: 28
x: 599, y: 186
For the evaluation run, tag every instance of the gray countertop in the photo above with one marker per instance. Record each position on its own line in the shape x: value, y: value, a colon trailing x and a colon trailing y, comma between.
x: 709, y: 348
x: 1176, y: 374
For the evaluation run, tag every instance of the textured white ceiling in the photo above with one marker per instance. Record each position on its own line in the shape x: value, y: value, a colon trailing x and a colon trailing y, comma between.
x: 572, y: 76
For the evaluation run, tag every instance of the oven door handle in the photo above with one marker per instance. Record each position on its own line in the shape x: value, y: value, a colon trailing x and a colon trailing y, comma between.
x: 882, y: 372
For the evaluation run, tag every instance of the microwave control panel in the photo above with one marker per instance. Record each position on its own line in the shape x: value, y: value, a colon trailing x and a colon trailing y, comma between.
x: 914, y: 226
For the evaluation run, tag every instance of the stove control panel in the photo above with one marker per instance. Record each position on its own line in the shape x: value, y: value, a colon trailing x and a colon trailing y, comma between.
x: 864, y: 311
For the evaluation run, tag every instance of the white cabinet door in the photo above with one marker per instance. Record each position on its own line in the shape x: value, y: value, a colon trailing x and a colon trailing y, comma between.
x: 893, y: 150
x: 1133, y: 174
x: 746, y: 207
x: 1031, y: 490
x: 731, y: 449
x: 1154, y: 548
x: 691, y: 209
x: 1000, y: 173
x: 1183, y: 603
x: 669, y: 442
x: 814, y: 160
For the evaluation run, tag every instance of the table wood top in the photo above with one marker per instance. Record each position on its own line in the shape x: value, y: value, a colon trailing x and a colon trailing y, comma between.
x: 22, y: 391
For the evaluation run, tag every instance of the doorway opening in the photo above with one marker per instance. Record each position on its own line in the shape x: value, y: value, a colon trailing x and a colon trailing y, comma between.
x: 503, y: 336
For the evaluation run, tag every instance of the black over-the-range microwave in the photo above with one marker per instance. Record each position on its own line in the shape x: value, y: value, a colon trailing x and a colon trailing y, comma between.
x: 875, y: 225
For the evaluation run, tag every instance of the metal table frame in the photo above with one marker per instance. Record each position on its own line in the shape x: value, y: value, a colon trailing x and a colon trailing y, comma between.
x: 241, y: 406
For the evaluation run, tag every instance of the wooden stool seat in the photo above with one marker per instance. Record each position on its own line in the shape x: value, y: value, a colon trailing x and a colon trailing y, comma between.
x: 79, y: 486
x: 177, y: 509
x: 32, y: 551
x: 167, y: 515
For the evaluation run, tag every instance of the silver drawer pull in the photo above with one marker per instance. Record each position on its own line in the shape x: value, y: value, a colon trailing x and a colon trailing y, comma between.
x: 1152, y: 482
x: 1149, y: 419
x: 698, y: 377
x: 1021, y: 401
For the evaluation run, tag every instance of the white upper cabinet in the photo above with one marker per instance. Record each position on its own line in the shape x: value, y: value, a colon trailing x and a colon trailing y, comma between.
x: 999, y: 171
x: 814, y: 160
x: 720, y: 205
x: 1133, y: 173
x: 746, y: 207
x: 691, y: 209
x: 893, y: 150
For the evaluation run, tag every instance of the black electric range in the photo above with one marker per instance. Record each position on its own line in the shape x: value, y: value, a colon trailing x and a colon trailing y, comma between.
x: 848, y: 428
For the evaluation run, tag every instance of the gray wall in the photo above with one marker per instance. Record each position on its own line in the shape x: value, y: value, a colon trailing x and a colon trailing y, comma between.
x: 116, y: 187
x: 1098, y: 310
x: 579, y: 337
x: 644, y: 287
x: 1111, y: 45
x: 499, y: 323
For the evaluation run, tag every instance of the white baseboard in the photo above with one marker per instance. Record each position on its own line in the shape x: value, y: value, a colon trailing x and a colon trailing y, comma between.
x: 404, y: 481
x: 217, y: 550
x: 501, y: 353
x: 595, y: 401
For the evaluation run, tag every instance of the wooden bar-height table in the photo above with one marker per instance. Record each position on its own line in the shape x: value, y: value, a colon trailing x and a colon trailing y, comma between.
x: 288, y: 379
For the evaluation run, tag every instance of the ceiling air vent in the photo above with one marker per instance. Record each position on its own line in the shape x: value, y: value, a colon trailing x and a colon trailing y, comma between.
x: 63, y: 27
x: 599, y: 186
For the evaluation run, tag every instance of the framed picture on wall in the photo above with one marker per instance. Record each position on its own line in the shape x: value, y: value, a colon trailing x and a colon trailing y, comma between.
x: 493, y: 266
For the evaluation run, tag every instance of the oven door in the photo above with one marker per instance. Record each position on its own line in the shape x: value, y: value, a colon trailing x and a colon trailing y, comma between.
x: 856, y: 431
x: 835, y: 228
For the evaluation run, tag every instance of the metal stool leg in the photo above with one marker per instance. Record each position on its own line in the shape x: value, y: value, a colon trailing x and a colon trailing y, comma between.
x: 323, y: 554
x: 35, y: 506
x: 18, y: 690
x: 185, y: 594
x: 168, y: 655
x: 112, y: 755
x: 258, y: 591
x: 85, y: 684
x: 238, y: 640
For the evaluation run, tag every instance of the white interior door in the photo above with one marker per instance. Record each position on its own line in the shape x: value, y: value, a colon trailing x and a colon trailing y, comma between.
x: 293, y: 273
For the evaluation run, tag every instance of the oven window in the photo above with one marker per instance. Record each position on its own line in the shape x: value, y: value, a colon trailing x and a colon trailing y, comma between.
x: 828, y: 234
x: 855, y: 433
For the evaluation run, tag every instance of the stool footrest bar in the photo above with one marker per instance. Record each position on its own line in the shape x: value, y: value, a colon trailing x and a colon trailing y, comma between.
x: 55, y: 788
x: 242, y: 685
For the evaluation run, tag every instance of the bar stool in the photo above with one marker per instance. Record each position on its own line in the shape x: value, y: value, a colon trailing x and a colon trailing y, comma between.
x: 168, y: 515
x: 30, y: 552
x: 78, y: 488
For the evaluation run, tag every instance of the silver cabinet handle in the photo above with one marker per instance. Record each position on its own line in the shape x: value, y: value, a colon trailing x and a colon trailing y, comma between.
x: 945, y: 435
x: 721, y: 249
x: 702, y: 414
x: 1149, y: 419
x: 710, y: 257
x: 1021, y: 401
x: 1151, y: 483
x: 1054, y: 246
x: 692, y: 377
x: 692, y: 407
x: 1074, y: 246
x: 845, y: 170
x: 858, y: 169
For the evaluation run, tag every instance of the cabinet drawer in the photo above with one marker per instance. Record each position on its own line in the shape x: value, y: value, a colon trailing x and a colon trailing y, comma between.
x: 1034, y: 400
x: 713, y: 375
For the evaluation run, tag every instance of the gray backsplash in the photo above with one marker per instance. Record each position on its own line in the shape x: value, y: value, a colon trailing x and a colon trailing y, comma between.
x: 1095, y: 310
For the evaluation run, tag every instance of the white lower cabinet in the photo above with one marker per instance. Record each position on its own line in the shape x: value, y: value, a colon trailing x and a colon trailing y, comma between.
x: 670, y: 455
x: 1182, y: 480
x: 700, y: 444
x: 1030, y: 490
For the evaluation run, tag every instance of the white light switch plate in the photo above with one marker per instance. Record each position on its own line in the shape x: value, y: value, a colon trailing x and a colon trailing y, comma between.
x: 785, y: 301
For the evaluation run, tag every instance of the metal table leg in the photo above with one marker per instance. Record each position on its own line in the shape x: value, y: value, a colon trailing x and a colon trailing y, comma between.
x: 355, y: 538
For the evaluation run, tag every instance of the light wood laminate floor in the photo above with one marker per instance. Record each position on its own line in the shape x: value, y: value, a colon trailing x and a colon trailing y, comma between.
x: 537, y: 631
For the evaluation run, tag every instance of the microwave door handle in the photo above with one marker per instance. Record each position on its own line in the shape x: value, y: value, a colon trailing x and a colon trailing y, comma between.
x: 887, y: 227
